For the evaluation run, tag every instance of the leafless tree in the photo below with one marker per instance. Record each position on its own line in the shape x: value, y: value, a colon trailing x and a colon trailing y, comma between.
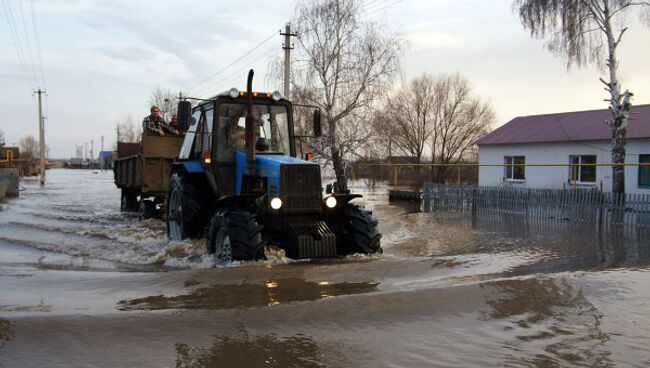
x: 460, y: 118
x: 28, y: 154
x: 2, y: 138
x: 589, y: 31
x: 439, y: 115
x: 127, y: 131
x: 342, y: 65
x: 165, y: 100
x: 407, y: 117
x: 79, y: 151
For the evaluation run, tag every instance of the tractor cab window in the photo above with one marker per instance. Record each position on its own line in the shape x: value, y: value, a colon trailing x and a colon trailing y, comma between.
x: 271, y: 124
x: 188, y: 143
x: 201, y: 136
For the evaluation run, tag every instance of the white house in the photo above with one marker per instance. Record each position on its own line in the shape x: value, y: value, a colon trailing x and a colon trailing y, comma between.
x: 573, y: 137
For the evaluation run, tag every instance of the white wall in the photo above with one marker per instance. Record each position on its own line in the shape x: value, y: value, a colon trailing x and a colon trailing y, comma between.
x: 558, y: 153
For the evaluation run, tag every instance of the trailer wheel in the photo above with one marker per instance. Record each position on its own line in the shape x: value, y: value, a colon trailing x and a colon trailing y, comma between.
x: 129, y: 201
x: 183, y: 208
x: 147, y: 210
x: 235, y: 235
x: 361, y: 230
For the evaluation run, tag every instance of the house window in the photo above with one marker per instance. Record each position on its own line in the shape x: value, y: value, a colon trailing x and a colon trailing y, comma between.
x: 513, y: 172
x: 585, y: 172
x: 644, y: 172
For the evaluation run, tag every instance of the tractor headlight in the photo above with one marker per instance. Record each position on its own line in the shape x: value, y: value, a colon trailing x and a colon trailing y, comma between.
x: 330, y: 202
x: 233, y: 92
x: 276, y: 203
x: 277, y: 96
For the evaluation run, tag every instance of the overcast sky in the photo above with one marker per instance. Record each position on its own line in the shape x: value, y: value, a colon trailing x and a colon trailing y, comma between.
x: 102, y: 58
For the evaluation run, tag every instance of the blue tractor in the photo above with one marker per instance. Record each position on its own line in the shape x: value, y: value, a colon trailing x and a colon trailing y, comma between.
x: 237, y: 182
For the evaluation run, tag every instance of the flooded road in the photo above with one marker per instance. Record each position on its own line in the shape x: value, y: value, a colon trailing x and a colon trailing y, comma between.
x: 82, y: 285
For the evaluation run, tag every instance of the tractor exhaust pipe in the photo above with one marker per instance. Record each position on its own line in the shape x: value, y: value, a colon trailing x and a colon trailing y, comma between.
x: 250, y: 124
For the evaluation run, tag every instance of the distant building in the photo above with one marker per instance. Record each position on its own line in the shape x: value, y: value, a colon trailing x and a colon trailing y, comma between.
x: 582, y: 137
x: 9, y: 156
x: 106, y: 159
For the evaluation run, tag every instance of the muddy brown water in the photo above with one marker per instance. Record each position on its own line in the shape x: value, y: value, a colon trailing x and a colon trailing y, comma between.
x: 82, y: 285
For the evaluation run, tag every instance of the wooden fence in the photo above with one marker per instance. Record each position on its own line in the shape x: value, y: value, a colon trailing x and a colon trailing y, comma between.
x: 583, y: 206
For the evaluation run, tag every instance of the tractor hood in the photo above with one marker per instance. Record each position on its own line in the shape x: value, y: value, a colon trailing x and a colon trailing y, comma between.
x: 273, y: 167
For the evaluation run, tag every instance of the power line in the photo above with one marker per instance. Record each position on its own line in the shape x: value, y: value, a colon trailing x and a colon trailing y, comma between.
x: 238, y: 73
x: 566, y: 134
x: 17, y: 41
x: 27, y: 38
x: 237, y: 60
x: 381, y: 8
x: 38, y: 42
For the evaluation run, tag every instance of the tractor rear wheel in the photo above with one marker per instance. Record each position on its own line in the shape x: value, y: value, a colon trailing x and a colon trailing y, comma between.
x: 129, y: 201
x: 147, y: 210
x: 361, y: 235
x: 184, y: 208
x: 235, y: 235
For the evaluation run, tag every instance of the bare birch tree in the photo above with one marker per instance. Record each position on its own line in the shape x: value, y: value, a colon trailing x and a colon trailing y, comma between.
x: 342, y: 65
x: 589, y: 31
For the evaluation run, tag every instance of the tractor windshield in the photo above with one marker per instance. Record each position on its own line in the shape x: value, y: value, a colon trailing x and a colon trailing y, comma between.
x: 271, y: 128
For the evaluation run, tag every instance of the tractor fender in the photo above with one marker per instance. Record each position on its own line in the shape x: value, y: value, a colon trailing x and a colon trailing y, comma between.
x: 237, y: 201
x: 345, y: 198
x: 190, y: 167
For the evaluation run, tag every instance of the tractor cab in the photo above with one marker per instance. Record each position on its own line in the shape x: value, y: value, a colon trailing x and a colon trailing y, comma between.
x: 237, y: 178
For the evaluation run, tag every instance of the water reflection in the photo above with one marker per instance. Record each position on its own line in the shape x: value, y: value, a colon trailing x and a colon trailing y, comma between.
x: 257, y: 351
x: 6, y: 332
x: 549, y: 323
x: 571, y: 245
x: 272, y: 292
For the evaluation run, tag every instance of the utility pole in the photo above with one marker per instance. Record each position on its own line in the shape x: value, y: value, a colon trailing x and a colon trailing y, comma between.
x: 287, y: 58
x: 41, y: 128
x: 92, y: 153
x: 101, y: 158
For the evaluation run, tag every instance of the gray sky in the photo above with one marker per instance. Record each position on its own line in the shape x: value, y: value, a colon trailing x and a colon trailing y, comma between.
x: 102, y: 58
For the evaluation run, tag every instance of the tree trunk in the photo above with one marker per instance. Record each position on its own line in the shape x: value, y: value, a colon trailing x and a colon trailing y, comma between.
x: 619, y: 107
x: 339, y: 171
x: 337, y: 161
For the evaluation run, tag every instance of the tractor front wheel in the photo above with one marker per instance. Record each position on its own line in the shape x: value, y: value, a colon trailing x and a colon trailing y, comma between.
x: 360, y: 232
x: 235, y: 235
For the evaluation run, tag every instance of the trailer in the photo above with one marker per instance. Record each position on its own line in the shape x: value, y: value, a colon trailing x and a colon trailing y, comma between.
x: 142, y: 172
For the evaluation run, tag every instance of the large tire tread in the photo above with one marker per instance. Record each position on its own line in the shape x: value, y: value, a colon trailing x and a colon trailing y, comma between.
x: 244, y: 231
x: 363, y: 236
x: 192, y: 191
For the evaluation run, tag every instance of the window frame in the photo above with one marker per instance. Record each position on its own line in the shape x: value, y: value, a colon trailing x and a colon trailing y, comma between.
x: 509, y: 170
x: 579, y: 173
x: 644, y: 159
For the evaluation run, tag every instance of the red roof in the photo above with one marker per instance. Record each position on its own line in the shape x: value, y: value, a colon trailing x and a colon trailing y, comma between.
x: 568, y: 126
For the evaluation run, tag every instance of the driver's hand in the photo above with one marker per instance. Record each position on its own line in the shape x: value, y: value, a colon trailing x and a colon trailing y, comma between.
x: 162, y: 134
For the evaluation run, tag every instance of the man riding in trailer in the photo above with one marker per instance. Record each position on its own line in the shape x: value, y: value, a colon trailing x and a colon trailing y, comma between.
x: 155, y: 124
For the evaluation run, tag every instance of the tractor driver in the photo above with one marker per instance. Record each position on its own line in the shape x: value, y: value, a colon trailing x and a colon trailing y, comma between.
x: 236, y: 134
